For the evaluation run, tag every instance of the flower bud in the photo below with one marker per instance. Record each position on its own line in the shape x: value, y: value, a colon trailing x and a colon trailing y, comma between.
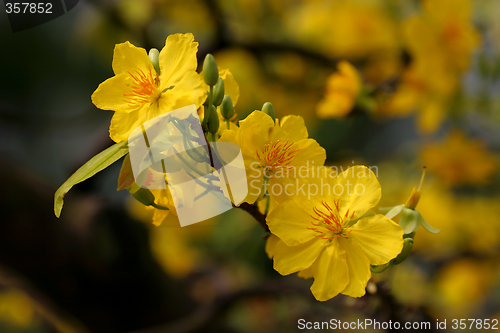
x: 154, y: 56
x: 268, y: 109
x: 144, y: 196
x: 210, y: 70
x: 218, y: 92
x: 213, y: 120
x: 226, y: 107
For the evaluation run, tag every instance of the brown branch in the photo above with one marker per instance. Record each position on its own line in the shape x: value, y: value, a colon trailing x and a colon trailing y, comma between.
x: 254, y: 211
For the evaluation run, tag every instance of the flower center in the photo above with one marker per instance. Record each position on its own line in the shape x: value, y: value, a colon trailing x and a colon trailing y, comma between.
x: 276, y: 155
x: 144, y: 88
x: 328, y: 224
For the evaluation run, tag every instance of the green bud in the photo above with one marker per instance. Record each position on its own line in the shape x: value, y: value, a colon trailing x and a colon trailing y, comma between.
x: 213, y: 120
x: 154, y: 56
x: 268, y: 109
x: 407, y: 247
x: 206, y: 112
x: 144, y: 196
x: 226, y: 107
x: 210, y: 70
x: 218, y: 92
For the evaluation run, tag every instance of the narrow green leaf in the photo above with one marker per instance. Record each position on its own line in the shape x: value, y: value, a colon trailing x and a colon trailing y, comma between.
x: 97, y: 163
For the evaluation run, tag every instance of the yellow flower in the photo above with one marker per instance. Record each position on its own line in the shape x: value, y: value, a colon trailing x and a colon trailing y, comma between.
x: 275, y: 151
x: 16, y: 308
x: 318, y: 237
x: 459, y: 161
x: 462, y: 286
x: 163, y: 198
x: 137, y: 93
x: 350, y: 29
x: 342, y: 88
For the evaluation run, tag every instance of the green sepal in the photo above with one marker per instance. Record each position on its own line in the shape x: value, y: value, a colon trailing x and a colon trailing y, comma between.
x: 409, y: 220
x: 392, y: 211
x: 97, y: 163
x: 426, y: 225
x: 407, y: 247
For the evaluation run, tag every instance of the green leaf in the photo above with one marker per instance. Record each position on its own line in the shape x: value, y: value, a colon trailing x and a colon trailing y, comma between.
x: 97, y: 163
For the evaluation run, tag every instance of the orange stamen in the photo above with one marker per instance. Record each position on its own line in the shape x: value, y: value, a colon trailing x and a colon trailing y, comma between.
x: 277, y: 154
x: 144, y: 88
x: 330, y: 224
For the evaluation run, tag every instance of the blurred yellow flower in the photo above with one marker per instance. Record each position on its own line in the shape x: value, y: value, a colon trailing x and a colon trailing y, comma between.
x: 409, y: 274
x: 270, y: 150
x: 342, y: 89
x: 460, y: 287
x: 347, y: 29
x: 317, y: 235
x: 16, y: 308
x: 173, y: 245
x: 441, y: 41
x: 163, y: 198
x: 137, y: 93
x: 460, y: 161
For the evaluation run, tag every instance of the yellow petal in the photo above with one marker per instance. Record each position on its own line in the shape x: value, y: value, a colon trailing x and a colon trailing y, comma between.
x: 309, y: 151
x: 159, y: 216
x: 330, y: 273
x: 294, y: 128
x: 110, y: 94
x: 290, y: 222
x: 254, y: 132
x: 230, y: 86
x: 177, y: 58
x: 360, y: 191
x: 255, y: 180
x: 291, y: 259
x: 380, y: 238
x: 189, y: 90
x: 359, y: 268
x: 122, y: 124
x: 128, y: 57
x: 271, y: 242
x: 306, y: 273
